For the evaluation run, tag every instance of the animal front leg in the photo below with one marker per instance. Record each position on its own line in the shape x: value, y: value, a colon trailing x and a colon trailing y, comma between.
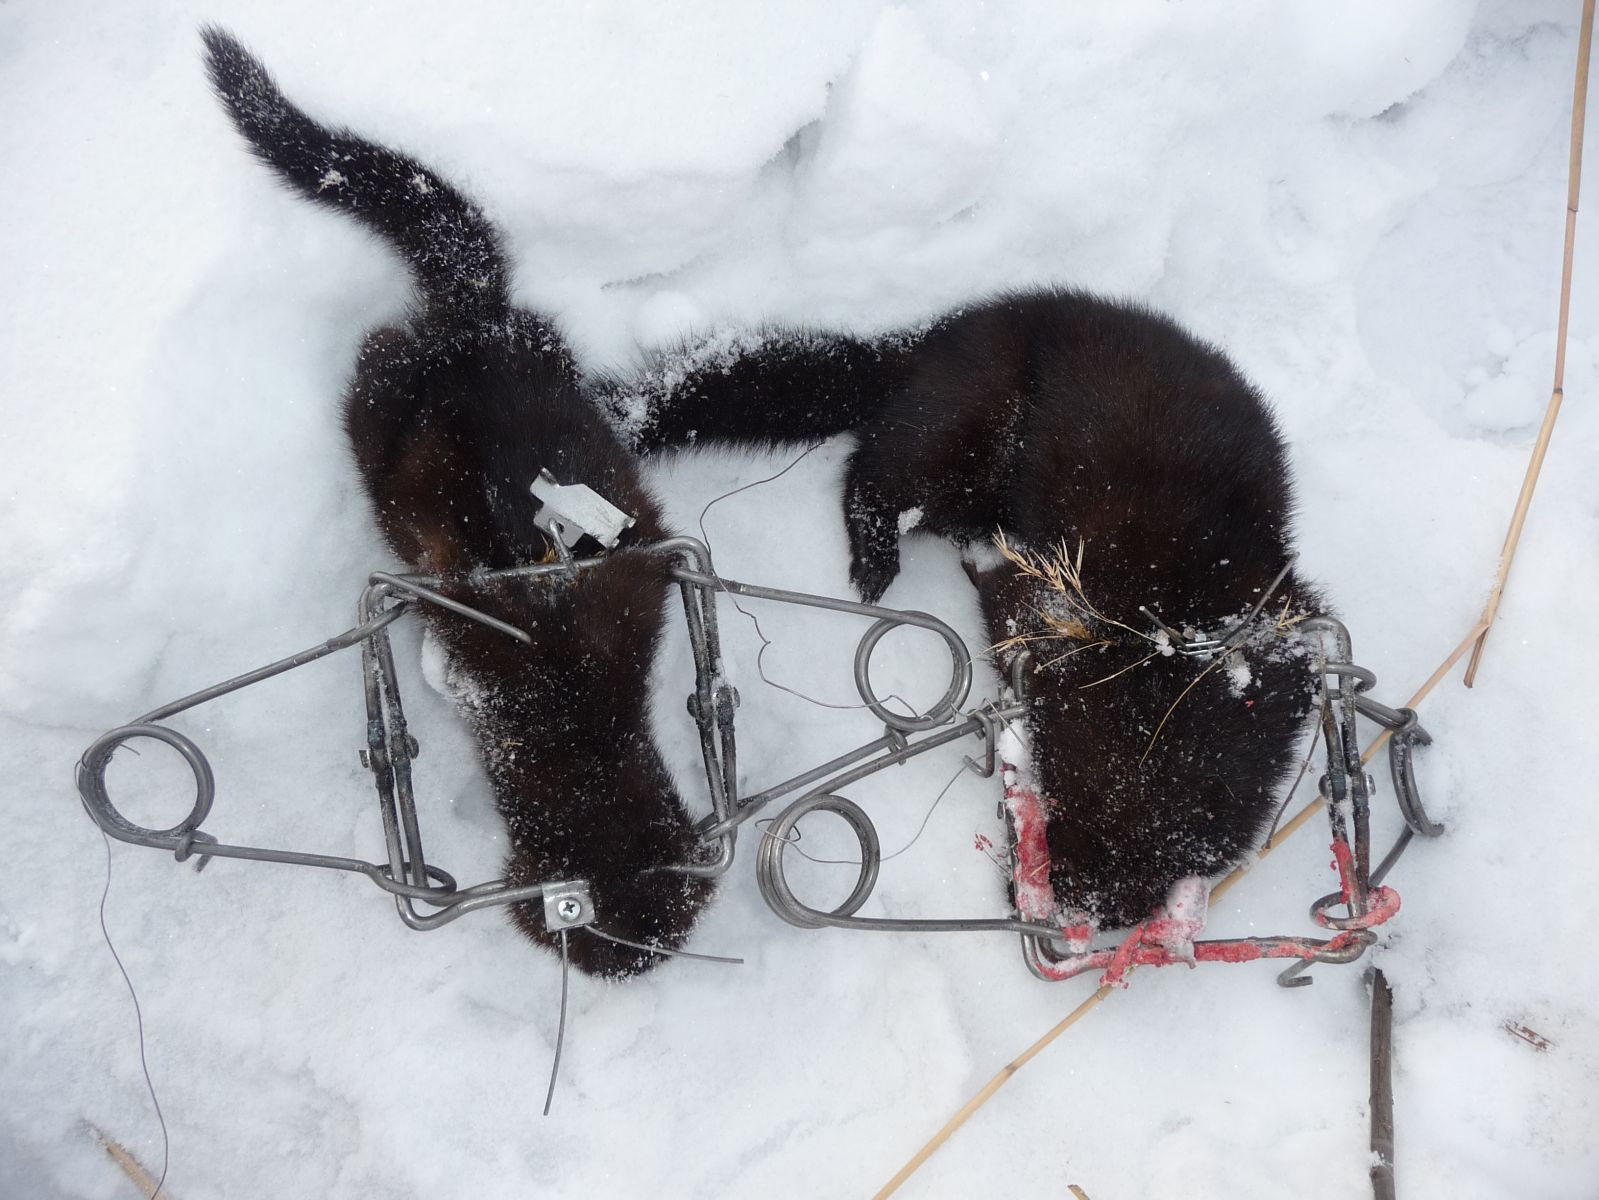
x: 872, y: 523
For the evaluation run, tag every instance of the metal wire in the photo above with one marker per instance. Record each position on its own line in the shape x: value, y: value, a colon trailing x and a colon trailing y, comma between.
x: 560, y: 1029
x: 667, y: 951
x: 138, y: 1017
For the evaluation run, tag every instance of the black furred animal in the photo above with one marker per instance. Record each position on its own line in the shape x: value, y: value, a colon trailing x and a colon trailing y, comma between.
x: 450, y: 417
x: 1067, y: 421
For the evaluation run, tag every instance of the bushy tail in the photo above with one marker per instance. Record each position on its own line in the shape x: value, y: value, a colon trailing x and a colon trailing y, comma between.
x: 758, y: 389
x: 452, y: 250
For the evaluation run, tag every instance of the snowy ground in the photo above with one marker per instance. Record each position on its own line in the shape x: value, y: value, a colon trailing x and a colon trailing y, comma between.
x: 1361, y: 202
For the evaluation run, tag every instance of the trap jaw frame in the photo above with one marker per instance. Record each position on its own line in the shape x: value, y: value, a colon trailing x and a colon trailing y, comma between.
x: 1345, y: 791
x: 391, y: 747
x: 427, y: 897
x: 1057, y: 947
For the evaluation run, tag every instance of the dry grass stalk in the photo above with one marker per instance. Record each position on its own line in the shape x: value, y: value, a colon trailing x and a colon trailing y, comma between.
x: 994, y: 1084
x: 1062, y: 573
x: 1123, y: 671
x: 123, y: 1157
x: 1192, y: 683
x: 1579, y: 108
x: 1055, y: 629
x: 1074, y: 650
x: 1284, y: 621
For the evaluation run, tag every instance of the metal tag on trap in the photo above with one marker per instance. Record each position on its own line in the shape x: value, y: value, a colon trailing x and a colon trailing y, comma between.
x: 569, y: 512
x: 1054, y: 947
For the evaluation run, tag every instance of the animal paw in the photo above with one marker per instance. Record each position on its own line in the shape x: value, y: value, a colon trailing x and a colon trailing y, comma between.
x: 871, y: 579
x: 1183, y: 918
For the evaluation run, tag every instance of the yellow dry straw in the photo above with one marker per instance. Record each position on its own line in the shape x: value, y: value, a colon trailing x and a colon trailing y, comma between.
x: 125, y: 1159
x: 1579, y: 108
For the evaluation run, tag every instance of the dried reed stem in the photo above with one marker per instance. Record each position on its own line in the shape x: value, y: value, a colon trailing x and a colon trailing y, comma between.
x: 123, y: 1157
x: 992, y: 1086
x: 1579, y: 108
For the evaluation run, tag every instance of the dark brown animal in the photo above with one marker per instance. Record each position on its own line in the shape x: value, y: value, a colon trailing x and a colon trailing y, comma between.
x: 450, y: 417
x: 1062, y: 420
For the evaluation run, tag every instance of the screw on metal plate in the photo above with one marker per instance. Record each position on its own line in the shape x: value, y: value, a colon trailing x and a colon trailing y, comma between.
x: 569, y: 511
x: 567, y: 906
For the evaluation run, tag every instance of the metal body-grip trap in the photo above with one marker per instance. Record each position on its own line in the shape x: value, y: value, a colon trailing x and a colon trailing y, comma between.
x: 1054, y: 948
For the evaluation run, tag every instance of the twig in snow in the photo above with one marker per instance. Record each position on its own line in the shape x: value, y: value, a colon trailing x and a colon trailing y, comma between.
x: 1579, y: 108
x: 124, y: 1158
x: 1531, y: 1036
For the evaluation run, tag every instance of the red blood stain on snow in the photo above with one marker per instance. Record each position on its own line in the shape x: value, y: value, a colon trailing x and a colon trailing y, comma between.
x: 1035, y: 899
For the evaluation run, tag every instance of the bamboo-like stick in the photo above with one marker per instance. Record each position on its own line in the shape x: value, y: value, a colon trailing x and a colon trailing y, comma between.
x: 1579, y: 108
x: 992, y: 1086
x: 1083, y: 1009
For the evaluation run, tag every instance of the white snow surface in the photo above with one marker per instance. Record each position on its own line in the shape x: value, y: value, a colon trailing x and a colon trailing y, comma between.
x: 1361, y: 202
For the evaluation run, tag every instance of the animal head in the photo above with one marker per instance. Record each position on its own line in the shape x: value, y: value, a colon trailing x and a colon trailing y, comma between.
x: 1162, y: 748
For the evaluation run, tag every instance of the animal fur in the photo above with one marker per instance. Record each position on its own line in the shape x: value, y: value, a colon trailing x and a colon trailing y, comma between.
x: 1061, y: 419
x: 450, y: 417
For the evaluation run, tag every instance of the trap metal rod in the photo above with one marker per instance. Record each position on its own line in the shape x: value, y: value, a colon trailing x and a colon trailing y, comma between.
x: 1293, y: 825
x: 1579, y: 108
x: 406, y: 874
